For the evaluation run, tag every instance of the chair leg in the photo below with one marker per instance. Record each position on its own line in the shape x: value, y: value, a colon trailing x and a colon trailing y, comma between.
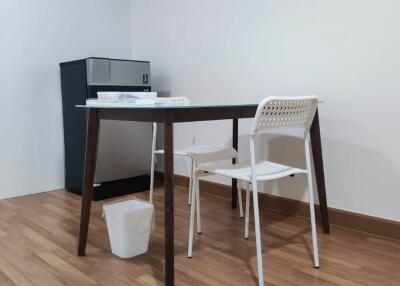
x: 247, y: 210
x: 153, y: 148
x: 311, y: 200
x: 197, y: 194
x: 190, y: 183
x: 151, y: 178
x: 192, y: 214
x: 240, y: 202
x: 313, y: 224
x: 258, y: 235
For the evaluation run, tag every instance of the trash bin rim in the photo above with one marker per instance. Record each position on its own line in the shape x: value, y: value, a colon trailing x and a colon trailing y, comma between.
x: 111, y: 207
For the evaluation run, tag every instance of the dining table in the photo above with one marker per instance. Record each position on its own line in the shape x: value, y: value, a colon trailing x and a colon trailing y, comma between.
x: 169, y: 114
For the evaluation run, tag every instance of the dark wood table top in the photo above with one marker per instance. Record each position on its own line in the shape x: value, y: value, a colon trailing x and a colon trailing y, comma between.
x: 187, y: 113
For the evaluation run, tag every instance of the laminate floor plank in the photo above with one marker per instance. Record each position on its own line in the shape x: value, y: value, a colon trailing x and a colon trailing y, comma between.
x: 38, y: 240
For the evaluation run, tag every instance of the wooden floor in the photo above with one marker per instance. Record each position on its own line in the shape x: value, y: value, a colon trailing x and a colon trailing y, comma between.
x: 38, y: 238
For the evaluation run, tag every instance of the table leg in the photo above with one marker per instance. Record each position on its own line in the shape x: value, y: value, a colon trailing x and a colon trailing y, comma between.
x: 92, y: 135
x: 235, y: 129
x: 319, y: 171
x: 169, y: 198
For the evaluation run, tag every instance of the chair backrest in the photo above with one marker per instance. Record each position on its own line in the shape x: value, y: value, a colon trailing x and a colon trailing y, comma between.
x: 282, y: 111
x: 179, y: 101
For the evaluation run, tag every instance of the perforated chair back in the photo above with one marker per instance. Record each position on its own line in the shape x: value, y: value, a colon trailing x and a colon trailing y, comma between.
x: 282, y: 111
x: 186, y: 100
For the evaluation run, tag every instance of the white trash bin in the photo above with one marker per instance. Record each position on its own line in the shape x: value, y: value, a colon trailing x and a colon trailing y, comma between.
x: 129, y: 225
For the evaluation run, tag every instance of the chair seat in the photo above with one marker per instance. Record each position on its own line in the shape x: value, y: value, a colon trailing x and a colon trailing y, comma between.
x: 265, y: 170
x: 195, y: 150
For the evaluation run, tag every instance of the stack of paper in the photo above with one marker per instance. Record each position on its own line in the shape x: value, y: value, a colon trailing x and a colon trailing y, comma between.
x: 126, y: 99
x: 124, y: 96
x: 176, y: 101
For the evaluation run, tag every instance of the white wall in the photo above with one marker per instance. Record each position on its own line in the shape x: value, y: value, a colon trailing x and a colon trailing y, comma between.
x: 35, y: 36
x: 345, y: 51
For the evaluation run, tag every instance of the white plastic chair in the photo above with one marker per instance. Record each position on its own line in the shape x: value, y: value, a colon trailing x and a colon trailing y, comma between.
x: 272, y: 112
x: 198, y: 154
